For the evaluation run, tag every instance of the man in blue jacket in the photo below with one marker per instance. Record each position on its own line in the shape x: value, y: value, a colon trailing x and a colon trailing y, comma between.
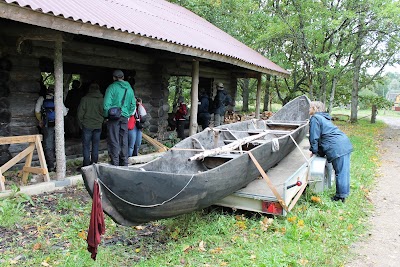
x: 327, y: 140
x: 118, y: 94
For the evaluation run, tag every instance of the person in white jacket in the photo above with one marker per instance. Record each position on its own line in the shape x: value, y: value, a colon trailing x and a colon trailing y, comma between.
x: 135, y: 134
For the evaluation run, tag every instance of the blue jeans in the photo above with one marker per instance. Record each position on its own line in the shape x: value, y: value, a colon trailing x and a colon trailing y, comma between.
x: 90, y: 136
x: 134, y: 141
x: 341, y: 165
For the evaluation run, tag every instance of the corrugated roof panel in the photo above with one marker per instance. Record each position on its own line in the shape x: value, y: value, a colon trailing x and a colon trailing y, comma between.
x: 156, y: 19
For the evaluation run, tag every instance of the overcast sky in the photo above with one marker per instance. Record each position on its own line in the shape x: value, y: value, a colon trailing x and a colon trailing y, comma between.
x: 387, y: 69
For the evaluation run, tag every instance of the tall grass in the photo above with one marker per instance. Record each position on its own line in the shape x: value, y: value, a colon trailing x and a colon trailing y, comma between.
x: 317, y: 232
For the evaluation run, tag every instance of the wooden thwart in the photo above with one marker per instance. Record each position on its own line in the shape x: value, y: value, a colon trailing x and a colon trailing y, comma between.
x: 227, y: 148
x: 34, y: 142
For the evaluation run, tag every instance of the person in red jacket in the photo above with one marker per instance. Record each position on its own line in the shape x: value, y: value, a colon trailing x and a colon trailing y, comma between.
x: 180, y: 115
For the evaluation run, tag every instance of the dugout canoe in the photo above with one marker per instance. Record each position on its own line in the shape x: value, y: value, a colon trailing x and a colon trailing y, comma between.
x: 199, y: 170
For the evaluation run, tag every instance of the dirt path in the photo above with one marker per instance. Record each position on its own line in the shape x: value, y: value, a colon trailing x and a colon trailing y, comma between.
x: 381, y: 246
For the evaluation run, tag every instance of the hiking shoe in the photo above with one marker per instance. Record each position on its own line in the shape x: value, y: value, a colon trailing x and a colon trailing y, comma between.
x: 336, y: 198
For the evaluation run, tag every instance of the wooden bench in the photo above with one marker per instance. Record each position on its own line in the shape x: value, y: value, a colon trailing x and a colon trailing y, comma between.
x: 34, y: 142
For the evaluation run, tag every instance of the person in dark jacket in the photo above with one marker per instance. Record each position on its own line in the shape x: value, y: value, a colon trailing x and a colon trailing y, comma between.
x: 327, y: 140
x: 221, y: 100
x: 203, y: 117
x: 180, y: 115
x: 72, y: 101
x: 90, y: 119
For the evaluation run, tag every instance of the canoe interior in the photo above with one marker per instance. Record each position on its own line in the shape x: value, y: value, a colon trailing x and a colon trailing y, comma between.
x: 288, y: 119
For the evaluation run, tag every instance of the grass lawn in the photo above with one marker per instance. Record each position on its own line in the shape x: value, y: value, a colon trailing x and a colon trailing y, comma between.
x: 50, y: 230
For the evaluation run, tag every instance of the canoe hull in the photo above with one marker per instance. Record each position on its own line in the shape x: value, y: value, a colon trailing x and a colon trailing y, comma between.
x: 170, y: 186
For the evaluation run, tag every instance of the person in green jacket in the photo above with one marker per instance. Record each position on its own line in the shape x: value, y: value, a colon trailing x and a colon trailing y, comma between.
x: 90, y: 119
x: 118, y: 94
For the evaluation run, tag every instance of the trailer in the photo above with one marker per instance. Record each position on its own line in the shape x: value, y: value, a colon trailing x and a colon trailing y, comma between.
x: 277, y: 191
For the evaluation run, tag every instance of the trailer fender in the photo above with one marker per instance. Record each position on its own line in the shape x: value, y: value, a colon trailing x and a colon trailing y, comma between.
x: 320, y: 177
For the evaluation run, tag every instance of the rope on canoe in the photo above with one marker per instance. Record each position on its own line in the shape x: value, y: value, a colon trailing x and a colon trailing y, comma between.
x: 145, y: 206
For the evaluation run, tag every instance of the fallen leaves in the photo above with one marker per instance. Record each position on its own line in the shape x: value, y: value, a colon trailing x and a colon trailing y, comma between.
x: 241, y: 222
x: 82, y: 235
x: 241, y: 225
x: 315, y: 199
x: 202, y: 246
x: 292, y: 219
x: 266, y: 223
x: 217, y: 250
x: 37, y: 246
x: 46, y: 262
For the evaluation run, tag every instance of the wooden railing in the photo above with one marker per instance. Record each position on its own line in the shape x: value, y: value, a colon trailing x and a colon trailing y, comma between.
x: 34, y: 142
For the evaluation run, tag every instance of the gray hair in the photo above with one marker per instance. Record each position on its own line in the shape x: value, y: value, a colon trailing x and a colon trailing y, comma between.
x: 318, y: 106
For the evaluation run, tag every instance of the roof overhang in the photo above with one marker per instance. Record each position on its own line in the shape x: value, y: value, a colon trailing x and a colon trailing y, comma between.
x: 50, y: 21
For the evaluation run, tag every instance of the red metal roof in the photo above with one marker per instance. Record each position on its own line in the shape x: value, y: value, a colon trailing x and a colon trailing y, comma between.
x: 156, y: 19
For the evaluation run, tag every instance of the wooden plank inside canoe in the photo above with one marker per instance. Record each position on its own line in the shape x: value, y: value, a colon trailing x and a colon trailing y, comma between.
x: 226, y: 148
x: 290, y: 124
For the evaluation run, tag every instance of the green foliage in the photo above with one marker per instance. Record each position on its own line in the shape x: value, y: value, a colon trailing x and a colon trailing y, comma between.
x: 316, y: 41
x: 12, y: 207
x: 179, y: 86
x: 172, y: 140
x: 368, y: 99
x: 317, y: 232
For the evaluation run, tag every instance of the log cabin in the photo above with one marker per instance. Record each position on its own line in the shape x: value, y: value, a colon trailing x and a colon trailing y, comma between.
x: 151, y: 41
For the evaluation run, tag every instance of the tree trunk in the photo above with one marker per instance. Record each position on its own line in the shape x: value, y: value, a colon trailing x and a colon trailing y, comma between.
x: 258, y: 97
x: 332, y: 96
x: 59, y: 103
x: 323, y: 87
x: 178, y: 93
x: 245, y: 94
x: 374, y: 113
x: 266, y: 93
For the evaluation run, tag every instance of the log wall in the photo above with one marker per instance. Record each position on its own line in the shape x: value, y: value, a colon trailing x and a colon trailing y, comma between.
x: 23, y: 60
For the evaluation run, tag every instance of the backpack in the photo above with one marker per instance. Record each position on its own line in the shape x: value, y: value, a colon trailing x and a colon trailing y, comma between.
x: 48, y: 112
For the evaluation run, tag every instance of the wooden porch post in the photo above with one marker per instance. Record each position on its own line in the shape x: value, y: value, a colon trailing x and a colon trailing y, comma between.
x: 258, y: 97
x: 194, y: 98
x: 58, y: 101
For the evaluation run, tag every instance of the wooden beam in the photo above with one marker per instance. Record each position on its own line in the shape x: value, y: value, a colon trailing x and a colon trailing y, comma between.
x: 42, y: 159
x: 19, y: 139
x: 34, y: 141
x: 36, y: 170
x: 194, y: 98
x: 59, y: 106
x: 270, y: 184
x: 28, y: 163
x: 17, y: 158
x: 155, y: 143
x: 49, y: 37
x: 2, y: 180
